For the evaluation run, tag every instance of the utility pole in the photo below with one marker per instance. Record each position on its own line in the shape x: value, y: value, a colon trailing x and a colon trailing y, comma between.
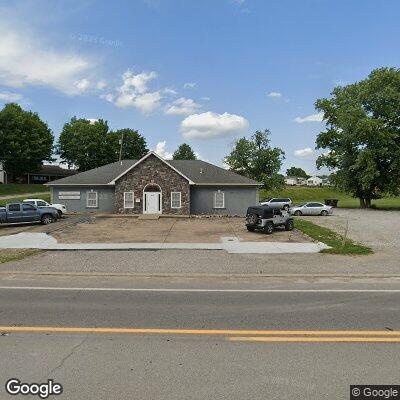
x: 121, y: 141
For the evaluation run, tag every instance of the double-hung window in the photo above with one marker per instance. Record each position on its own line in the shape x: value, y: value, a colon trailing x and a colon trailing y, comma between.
x: 219, y: 199
x: 92, y: 200
x: 129, y: 200
x: 176, y: 199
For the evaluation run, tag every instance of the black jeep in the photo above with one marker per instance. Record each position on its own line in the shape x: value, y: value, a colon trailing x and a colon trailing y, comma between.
x: 266, y: 218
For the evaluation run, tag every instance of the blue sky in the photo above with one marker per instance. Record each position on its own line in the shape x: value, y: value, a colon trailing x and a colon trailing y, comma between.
x: 204, y: 72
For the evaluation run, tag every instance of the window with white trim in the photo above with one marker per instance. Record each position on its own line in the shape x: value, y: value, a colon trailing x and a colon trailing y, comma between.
x: 92, y: 199
x: 176, y: 199
x: 129, y: 200
x: 219, y: 199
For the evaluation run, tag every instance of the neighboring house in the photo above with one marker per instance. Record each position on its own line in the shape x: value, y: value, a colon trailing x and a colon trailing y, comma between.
x: 153, y: 185
x: 314, y: 181
x: 295, y: 180
x: 46, y: 173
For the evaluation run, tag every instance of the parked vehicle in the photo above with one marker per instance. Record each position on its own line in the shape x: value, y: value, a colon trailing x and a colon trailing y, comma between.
x: 311, y: 208
x: 41, y: 203
x: 22, y: 212
x: 284, y: 203
x: 266, y: 218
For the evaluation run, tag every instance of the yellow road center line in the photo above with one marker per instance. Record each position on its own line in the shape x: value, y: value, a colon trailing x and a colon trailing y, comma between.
x: 170, y: 331
x: 315, y: 339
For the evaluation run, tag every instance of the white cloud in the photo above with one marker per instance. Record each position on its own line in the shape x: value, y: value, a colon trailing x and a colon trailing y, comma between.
x: 274, y: 94
x: 92, y: 120
x: 108, y: 96
x: 306, y: 152
x: 161, y: 150
x: 211, y: 125
x: 26, y: 60
x: 147, y: 102
x: 170, y: 91
x: 136, y: 83
x: 82, y: 85
x: 205, y: 98
x: 8, y: 97
x: 101, y: 85
x: 190, y: 85
x: 182, y: 106
x: 319, y: 117
x: 134, y: 92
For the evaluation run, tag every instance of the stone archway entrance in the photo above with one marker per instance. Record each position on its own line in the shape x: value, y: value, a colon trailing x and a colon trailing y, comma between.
x: 152, y: 199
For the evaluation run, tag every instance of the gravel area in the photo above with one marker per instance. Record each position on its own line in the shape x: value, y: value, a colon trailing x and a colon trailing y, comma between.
x: 204, y: 262
x: 375, y: 228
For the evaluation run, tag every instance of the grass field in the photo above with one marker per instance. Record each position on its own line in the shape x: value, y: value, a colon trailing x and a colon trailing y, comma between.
x: 331, y: 238
x: 16, y: 188
x: 303, y: 194
x: 44, y: 196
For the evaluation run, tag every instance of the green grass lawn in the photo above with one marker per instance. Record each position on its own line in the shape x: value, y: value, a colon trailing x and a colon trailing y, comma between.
x: 44, y: 196
x: 16, y: 188
x: 331, y: 238
x: 301, y: 194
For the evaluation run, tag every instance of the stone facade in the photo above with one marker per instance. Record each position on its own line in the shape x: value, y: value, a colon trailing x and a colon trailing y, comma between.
x: 152, y: 171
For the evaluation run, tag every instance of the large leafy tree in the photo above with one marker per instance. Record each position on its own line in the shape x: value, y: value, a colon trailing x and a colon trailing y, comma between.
x: 184, y: 152
x: 298, y: 172
x: 256, y: 159
x: 25, y: 140
x: 87, y: 144
x: 84, y: 144
x: 134, y: 145
x: 362, y: 136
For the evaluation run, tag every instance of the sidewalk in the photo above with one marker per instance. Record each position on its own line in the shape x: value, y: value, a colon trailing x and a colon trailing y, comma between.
x: 29, y: 240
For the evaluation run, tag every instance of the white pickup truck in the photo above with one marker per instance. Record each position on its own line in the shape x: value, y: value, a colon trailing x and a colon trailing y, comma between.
x: 61, y: 209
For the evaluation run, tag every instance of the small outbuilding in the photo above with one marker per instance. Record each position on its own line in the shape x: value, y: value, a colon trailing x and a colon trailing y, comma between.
x: 153, y: 185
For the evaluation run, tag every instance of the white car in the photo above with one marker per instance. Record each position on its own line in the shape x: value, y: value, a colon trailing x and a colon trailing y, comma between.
x: 311, y: 208
x: 61, y: 209
x: 283, y: 203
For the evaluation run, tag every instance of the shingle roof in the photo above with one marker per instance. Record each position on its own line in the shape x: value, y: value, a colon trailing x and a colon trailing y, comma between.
x: 200, y: 172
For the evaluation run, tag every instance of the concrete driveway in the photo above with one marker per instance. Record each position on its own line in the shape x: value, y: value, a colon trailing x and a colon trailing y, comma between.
x: 166, y: 230
x: 377, y: 229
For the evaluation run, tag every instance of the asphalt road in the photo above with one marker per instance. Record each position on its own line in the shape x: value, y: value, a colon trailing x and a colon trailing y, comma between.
x: 167, y: 350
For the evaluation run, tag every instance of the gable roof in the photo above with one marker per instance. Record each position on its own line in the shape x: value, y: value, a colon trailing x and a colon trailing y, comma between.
x: 197, y: 172
x: 142, y: 159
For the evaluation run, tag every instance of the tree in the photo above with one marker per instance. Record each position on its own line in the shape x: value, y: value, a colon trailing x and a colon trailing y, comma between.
x: 362, y: 137
x: 25, y: 140
x: 88, y: 144
x: 134, y: 145
x: 256, y: 159
x: 84, y: 144
x: 298, y: 172
x: 184, y: 152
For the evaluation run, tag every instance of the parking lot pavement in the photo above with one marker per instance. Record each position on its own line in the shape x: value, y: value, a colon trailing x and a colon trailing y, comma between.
x: 167, y: 230
x: 63, y: 223
x: 377, y: 229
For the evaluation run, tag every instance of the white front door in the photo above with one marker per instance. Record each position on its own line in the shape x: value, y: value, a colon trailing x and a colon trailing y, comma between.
x: 152, y: 203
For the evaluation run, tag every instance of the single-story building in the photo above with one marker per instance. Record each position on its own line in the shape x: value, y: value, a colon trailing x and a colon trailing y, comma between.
x: 46, y: 173
x: 153, y: 185
x: 295, y: 180
x: 314, y: 181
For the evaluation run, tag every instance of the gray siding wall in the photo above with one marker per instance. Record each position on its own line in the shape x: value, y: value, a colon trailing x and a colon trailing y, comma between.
x: 105, y: 195
x: 237, y: 199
